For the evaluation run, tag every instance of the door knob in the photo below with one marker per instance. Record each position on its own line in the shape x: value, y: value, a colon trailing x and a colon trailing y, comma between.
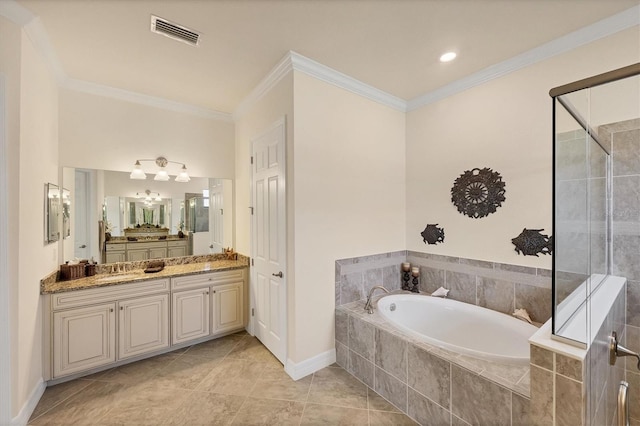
x: 279, y: 275
x: 83, y: 246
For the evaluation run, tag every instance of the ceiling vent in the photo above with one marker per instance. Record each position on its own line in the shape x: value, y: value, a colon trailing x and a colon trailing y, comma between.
x: 174, y: 31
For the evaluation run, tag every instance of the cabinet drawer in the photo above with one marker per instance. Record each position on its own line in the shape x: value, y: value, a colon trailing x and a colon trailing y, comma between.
x: 177, y: 243
x: 105, y: 294
x: 212, y: 278
x: 146, y: 246
x: 115, y: 247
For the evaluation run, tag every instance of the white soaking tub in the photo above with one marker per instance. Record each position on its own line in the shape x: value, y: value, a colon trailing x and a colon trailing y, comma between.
x: 460, y: 327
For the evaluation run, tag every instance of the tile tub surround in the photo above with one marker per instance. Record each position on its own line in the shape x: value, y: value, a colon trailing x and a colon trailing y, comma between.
x: 498, y: 286
x: 573, y: 386
x: 134, y: 271
x: 430, y: 385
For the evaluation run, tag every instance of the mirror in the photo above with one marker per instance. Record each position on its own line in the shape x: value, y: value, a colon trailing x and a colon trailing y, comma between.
x: 66, y: 213
x: 146, y: 219
x: 51, y: 212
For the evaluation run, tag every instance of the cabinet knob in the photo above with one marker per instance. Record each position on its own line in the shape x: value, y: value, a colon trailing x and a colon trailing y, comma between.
x: 122, y: 308
x: 111, y: 310
x: 208, y: 292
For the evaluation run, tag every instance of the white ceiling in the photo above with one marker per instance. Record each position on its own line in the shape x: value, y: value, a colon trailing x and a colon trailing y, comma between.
x: 393, y: 45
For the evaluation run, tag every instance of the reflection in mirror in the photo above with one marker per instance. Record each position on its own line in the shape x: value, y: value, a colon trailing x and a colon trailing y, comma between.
x: 146, y: 219
x: 51, y: 212
x: 66, y: 213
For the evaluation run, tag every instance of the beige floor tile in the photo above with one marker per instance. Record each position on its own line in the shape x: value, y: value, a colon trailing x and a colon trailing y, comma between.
x: 316, y: 414
x: 217, y: 348
x: 84, y: 408
x: 378, y: 403
x: 186, y: 372
x: 145, y: 404
x: 256, y: 411
x: 203, y: 408
x: 250, y: 348
x: 232, y: 377
x: 335, y: 386
x: 138, y: 371
x: 283, y: 387
x: 383, y: 418
x: 54, y: 395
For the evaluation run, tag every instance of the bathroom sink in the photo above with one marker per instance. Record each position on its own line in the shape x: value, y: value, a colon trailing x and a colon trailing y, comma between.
x: 117, y: 277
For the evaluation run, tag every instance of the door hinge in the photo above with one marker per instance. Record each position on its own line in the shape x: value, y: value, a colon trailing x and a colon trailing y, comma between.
x: 252, y: 159
x: 251, y: 208
x: 251, y: 262
x: 221, y: 212
x: 253, y: 312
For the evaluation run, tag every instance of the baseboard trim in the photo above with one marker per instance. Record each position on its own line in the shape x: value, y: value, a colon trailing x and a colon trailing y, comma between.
x: 310, y: 365
x: 27, y: 409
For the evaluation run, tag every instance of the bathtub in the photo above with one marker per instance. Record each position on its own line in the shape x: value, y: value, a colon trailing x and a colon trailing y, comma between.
x: 460, y: 327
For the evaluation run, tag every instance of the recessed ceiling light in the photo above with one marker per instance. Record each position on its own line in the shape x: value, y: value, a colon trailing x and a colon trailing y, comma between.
x: 447, y: 57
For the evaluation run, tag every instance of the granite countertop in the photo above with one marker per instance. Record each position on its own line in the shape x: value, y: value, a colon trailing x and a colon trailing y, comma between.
x: 140, y: 239
x: 137, y: 275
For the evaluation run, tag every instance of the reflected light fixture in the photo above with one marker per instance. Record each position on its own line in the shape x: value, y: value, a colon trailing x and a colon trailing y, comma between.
x: 148, y: 196
x: 162, y: 174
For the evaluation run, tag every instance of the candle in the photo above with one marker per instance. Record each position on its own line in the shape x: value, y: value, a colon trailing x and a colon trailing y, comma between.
x: 415, y: 271
x: 406, y: 267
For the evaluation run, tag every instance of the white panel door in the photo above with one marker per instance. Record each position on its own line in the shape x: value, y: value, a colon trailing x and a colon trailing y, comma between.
x: 216, y: 211
x: 83, y: 338
x: 269, y: 240
x: 143, y: 325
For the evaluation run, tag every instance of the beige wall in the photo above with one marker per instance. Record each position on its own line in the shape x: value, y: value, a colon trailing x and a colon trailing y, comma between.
x: 10, y: 46
x: 97, y: 132
x: 349, y: 197
x: 504, y: 124
x: 38, y: 165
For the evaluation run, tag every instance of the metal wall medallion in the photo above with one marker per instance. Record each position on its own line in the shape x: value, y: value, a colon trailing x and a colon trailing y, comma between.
x: 530, y: 242
x: 478, y: 192
x: 432, y: 234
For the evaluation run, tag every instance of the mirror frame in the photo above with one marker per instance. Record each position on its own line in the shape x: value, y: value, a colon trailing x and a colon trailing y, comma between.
x: 51, y: 213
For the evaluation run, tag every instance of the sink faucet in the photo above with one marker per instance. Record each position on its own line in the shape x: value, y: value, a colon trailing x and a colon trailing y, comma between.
x: 369, y: 306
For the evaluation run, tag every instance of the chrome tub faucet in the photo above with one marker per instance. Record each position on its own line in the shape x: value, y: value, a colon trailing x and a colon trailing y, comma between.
x: 369, y: 305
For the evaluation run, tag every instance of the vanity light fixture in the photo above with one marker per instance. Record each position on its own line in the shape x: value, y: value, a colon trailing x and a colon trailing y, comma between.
x: 161, y: 174
x: 448, y: 57
x: 148, y: 195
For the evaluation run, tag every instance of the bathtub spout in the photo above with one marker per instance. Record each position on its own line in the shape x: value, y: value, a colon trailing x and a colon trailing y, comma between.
x: 369, y: 305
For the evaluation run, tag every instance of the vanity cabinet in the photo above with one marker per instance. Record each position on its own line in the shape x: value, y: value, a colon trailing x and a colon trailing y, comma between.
x: 83, y: 338
x: 145, y: 251
x: 115, y: 253
x: 190, y: 315
x: 143, y: 325
x: 207, y: 304
x: 90, y: 330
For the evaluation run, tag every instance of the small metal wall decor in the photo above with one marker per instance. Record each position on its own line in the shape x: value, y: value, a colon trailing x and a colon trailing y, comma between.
x: 478, y: 192
x: 432, y: 234
x: 530, y: 242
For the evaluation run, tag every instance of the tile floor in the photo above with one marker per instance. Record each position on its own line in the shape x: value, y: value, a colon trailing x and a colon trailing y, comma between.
x: 231, y: 380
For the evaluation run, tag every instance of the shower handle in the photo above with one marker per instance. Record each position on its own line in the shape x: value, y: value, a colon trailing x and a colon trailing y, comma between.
x: 616, y: 350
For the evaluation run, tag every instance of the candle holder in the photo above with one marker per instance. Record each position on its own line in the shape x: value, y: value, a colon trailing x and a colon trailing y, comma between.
x: 415, y: 280
x: 406, y: 276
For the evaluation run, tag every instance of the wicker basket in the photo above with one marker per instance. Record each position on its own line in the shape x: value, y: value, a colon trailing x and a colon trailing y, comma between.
x: 72, y: 272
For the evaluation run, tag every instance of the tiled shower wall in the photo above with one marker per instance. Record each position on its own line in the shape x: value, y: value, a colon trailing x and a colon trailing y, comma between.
x: 625, y: 150
x: 498, y: 286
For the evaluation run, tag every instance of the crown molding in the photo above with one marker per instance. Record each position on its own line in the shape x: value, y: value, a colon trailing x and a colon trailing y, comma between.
x: 142, y: 99
x: 336, y: 78
x: 15, y: 12
x: 274, y: 76
x: 601, y: 29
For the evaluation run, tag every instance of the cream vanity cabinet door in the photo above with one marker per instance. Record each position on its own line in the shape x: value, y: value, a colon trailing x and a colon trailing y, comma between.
x: 190, y: 315
x: 84, y: 338
x: 134, y: 255
x: 176, y: 248
x: 157, y: 252
x: 228, y: 301
x: 143, y: 325
x: 115, y: 253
